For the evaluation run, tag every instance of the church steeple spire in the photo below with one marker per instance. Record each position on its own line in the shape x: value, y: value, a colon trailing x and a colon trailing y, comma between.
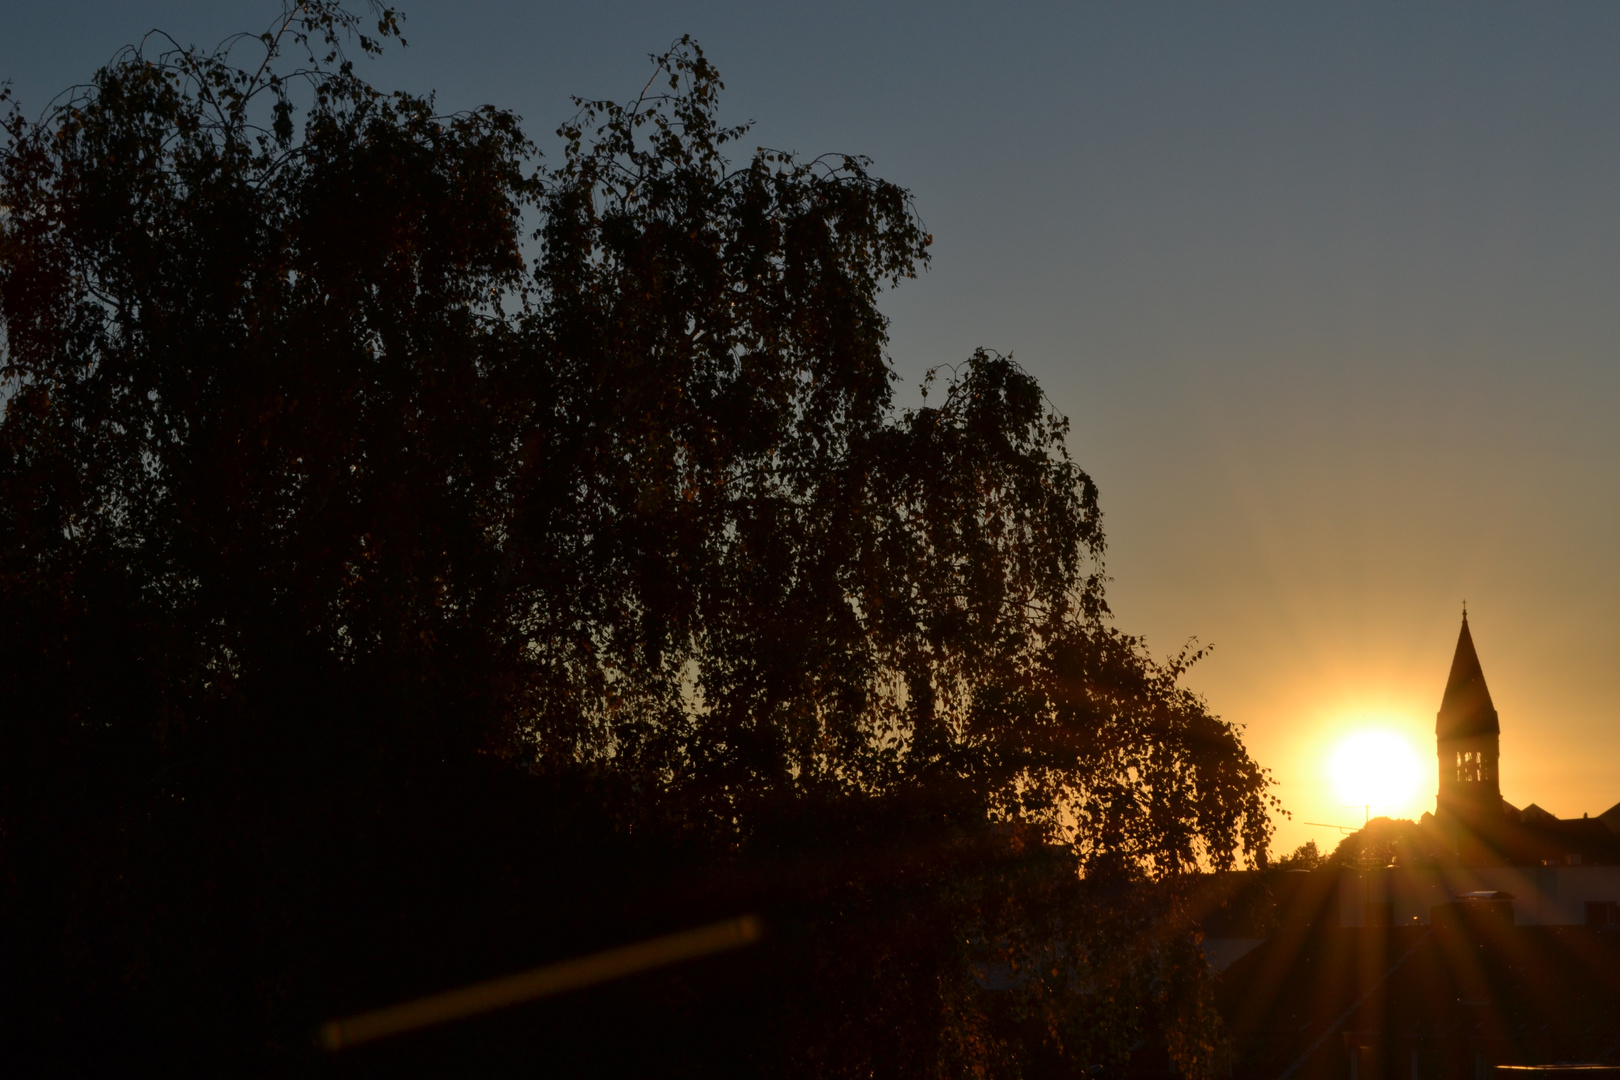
x: 1466, y: 708
x: 1467, y: 739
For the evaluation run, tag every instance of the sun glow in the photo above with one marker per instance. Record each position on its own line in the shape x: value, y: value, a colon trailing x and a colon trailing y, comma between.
x: 1375, y: 768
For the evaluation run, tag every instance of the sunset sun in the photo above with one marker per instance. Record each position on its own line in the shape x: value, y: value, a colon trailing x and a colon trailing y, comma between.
x: 1375, y: 768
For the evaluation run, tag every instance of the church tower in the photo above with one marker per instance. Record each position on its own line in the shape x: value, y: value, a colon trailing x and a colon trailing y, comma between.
x: 1466, y: 738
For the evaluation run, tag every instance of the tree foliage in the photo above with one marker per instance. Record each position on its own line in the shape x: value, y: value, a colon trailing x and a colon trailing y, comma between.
x: 392, y: 525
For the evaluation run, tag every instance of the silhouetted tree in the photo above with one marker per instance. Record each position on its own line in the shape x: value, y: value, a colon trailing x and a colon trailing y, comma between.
x: 415, y: 561
x: 1385, y: 840
x: 1305, y: 857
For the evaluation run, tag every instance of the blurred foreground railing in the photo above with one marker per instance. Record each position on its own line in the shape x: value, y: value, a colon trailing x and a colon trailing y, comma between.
x: 540, y: 982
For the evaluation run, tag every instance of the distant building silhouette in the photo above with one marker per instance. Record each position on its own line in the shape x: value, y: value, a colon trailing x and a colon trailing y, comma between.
x: 1472, y: 824
x: 1467, y: 735
x: 1478, y: 937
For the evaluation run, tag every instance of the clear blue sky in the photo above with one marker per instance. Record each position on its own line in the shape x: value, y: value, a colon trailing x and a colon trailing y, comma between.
x: 1329, y: 291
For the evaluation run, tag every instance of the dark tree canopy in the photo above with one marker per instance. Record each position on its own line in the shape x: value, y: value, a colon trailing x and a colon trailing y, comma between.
x: 418, y: 560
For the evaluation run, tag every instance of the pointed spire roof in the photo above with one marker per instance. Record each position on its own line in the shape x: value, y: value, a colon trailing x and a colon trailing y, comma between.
x: 1466, y: 708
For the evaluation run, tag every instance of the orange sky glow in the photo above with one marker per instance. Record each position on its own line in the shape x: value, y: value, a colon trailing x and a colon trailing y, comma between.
x: 1327, y: 292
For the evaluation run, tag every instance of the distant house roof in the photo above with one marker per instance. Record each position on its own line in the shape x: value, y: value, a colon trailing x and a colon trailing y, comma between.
x: 1466, y: 707
x: 1541, y: 837
x: 1534, y: 815
x: 1611, y: 818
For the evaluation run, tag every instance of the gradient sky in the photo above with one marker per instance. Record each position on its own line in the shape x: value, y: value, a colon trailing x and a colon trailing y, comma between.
x: 1329, y: 292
